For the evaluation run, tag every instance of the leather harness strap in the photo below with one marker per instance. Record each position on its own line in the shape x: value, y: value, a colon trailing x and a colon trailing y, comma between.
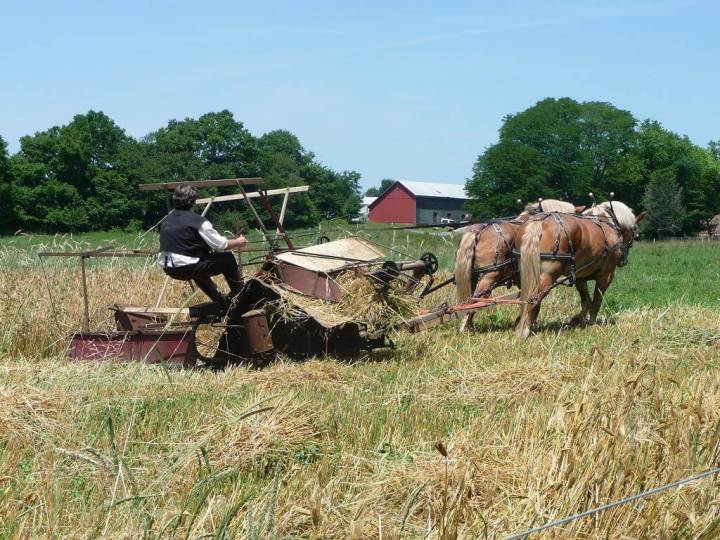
x: 497, y: 263
x: 513, y: 254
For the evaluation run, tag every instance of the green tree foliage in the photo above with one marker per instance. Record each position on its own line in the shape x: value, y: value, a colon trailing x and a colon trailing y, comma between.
x: 214, y: 145
x: 74, y: 178
x: 663, y: 202
x: 374, y: 191
x: 285, y: 162
x: 85, y: 175
x: 714, y: 149
x: 8, y: 219
x: 560, y: 148
x: 282, y: 161
x: 694, y: 169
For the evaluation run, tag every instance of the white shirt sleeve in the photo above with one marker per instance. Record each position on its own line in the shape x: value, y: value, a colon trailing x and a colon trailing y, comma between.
x: 212, y: 238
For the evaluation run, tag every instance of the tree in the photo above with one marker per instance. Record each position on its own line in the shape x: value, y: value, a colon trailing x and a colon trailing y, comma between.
x: 7, y: 207
x: 663, y: 202
x: 694, y: 169
x: 562, y: 149
x: 558, y: 148
x: 215, y: 145
x: 85, y: 175
x: 212, y: 146
x: 334, y: 195
x: 282, y: 159
x: 71, y: 178
x: 608, y: 142
x: 714, y: 149
x: 385, y: 184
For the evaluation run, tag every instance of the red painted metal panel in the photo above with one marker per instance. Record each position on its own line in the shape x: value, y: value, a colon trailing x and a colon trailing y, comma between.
x: 310, y: 283
x: 175, y: 347
x: 397, y: 205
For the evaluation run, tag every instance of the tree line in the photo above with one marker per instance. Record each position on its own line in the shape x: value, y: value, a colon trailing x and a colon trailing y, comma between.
x: 85, y: 175
x: 561, y: 148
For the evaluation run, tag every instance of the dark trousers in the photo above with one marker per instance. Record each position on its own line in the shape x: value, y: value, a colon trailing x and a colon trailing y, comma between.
x: 210, y: 265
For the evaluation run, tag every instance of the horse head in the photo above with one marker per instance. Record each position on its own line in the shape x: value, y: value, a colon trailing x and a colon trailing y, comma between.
x: 623, y: 219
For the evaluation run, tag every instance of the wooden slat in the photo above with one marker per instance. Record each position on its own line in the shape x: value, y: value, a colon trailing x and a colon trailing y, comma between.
x: 201, y: 183
x: 92, y: 254
x: 158, y: 310
x: 252, y: 195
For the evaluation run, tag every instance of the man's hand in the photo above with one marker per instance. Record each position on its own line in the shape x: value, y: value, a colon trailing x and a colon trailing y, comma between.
x: 237, y: 243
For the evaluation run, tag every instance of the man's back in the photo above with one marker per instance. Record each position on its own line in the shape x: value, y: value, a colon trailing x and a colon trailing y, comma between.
x: 180, y: 234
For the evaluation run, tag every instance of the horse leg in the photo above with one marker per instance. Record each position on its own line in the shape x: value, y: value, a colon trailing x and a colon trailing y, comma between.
x: 601, y: 285
x: 531, y: 311
x: 582, y: 288
x: 482, y: 290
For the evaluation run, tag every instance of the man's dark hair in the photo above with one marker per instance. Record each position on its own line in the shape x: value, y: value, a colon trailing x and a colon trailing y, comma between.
x: 184, y: 197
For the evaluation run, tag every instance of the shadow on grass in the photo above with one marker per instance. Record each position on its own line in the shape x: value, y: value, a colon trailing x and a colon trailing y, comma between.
x: 562, y: 325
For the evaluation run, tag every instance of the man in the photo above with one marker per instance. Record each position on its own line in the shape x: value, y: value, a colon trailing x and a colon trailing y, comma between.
x: 190, y: 248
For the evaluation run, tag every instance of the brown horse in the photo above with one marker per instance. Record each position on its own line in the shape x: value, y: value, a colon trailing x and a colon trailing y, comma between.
x: 582, y: 248
x: 485, y: 260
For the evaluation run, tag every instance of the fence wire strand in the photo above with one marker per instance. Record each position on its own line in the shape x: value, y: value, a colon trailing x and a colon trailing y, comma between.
x: 620, y: 502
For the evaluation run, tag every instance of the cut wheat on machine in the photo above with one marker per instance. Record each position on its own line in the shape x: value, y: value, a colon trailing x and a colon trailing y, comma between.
x: 339, y: 297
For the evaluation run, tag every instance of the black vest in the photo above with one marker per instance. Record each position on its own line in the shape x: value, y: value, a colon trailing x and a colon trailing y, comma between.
x: 179, y: 233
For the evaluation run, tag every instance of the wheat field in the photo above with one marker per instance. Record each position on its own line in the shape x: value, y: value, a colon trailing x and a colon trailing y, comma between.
x: 445, y: 436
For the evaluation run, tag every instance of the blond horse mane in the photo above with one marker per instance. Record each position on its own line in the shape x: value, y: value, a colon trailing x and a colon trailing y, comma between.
x: 623, y: 213
x: 552, y: 205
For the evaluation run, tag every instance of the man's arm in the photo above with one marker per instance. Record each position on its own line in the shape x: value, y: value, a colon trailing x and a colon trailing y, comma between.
x: 217, y: 241
x: 236, y: 243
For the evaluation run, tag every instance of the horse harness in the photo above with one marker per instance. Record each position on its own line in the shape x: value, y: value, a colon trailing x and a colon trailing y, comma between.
x: 497, y: 264
x: 555, y: 255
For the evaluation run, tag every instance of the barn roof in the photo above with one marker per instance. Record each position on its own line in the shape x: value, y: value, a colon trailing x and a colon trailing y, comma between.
x: 427, y: 189
x: 367, y: 201
x: 435, y: 189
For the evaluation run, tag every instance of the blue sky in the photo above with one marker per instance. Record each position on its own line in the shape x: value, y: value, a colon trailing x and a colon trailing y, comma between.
x: 412, y: 90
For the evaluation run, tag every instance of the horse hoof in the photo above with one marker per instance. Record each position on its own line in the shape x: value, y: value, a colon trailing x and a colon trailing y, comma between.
x: 523, y: 334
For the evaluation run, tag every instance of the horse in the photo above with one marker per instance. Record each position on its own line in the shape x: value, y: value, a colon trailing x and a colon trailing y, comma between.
x: 486, y: 250
x: 581, y: 248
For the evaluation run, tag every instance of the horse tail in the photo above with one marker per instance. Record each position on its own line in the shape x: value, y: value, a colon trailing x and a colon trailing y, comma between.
x: 464, y: 260
x: 530, y: 259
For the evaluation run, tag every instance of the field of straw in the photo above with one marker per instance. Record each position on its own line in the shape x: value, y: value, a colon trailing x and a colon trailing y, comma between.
x: 446, y: 436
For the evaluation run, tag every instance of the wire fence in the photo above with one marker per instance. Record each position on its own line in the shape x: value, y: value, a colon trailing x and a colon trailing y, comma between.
x: 557, y: 523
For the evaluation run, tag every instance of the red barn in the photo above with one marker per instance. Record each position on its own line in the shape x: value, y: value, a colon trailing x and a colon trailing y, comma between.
x: 417, y: 203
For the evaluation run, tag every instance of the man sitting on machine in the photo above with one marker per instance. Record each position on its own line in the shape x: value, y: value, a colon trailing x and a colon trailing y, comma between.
x: 191, y: 248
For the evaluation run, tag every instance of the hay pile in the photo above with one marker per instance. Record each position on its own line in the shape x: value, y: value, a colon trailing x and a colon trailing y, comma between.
x: 26, y: 413
x: 360, y: 303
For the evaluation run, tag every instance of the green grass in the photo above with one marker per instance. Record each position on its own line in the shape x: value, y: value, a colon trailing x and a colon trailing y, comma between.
x: 535, y: 430
x: 663, y: 273
x: 659, y: 273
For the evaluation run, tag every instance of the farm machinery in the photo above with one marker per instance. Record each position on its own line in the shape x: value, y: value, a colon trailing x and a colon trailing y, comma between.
x: 339, y: 297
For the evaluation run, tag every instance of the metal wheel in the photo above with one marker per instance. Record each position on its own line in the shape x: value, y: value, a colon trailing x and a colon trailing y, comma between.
x: 431, y: 263
x: 383, y: 277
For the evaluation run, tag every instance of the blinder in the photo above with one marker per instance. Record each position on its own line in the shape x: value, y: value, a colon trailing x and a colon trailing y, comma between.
x: 625, y: 257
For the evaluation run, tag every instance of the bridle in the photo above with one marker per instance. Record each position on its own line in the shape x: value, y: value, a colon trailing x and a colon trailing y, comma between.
x: 625, y: 246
